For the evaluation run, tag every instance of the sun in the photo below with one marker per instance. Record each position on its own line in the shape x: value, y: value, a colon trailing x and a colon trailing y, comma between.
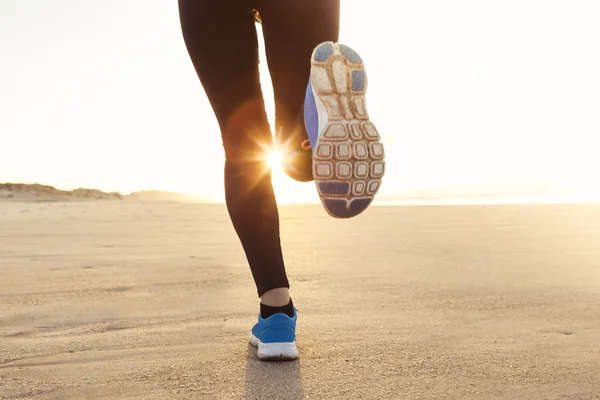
x: 274, y: 159
x: 287, y: 190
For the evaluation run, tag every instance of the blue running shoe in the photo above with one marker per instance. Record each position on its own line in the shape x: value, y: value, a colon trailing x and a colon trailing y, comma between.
x: 348, y: 157
x: 275, y: 337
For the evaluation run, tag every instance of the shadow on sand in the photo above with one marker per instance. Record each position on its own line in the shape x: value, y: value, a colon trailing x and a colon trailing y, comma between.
x: 272, y: 380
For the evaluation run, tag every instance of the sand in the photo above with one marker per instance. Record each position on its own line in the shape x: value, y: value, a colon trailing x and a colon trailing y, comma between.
x: 155, y: 301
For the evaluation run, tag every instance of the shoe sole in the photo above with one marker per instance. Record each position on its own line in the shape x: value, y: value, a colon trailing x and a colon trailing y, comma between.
x: 274, y: 351
x: 348, y: 159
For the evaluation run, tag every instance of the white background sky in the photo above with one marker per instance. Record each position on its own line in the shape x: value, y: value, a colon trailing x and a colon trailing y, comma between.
x: 102, y: 94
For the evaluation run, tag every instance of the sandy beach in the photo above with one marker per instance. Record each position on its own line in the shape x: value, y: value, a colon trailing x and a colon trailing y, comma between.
x: 122, y: 299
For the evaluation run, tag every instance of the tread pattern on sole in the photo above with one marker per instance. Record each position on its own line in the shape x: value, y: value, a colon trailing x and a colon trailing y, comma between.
x: 348, y: 159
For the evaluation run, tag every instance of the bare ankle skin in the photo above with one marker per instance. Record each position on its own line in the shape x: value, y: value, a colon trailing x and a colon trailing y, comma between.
x: 277, y: 297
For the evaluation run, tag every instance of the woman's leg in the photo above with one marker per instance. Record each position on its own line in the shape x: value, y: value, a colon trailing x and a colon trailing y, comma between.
x: 347, y: 156
x: 292, y: 29
x: 221, y: 40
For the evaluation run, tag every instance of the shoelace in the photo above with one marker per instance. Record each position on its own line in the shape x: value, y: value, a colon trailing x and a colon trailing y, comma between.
x: 305, y: 145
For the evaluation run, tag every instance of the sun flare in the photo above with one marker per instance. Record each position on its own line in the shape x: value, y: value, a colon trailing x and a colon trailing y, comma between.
x: 275, y: 159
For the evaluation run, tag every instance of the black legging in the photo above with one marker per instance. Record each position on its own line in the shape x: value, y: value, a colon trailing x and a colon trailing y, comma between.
x: 221, y: 39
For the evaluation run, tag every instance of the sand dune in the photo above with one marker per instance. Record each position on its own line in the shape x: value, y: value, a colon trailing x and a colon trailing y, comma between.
x: 21, y: 192
x: 37, y: 193
x: 155, y: 301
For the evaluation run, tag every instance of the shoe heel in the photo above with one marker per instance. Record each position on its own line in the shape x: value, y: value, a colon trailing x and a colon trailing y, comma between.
x: 277, y: 351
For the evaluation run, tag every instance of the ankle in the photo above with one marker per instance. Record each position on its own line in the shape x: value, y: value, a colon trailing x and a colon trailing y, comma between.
x: 277, y: 297
x: 267, y: 311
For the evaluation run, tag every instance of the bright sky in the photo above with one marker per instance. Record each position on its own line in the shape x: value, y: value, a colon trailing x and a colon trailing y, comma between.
x: 103, y: 94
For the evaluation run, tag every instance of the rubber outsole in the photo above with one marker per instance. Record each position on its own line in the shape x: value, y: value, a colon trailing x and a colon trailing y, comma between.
x: 274, y: 351
x: 348, y: 159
